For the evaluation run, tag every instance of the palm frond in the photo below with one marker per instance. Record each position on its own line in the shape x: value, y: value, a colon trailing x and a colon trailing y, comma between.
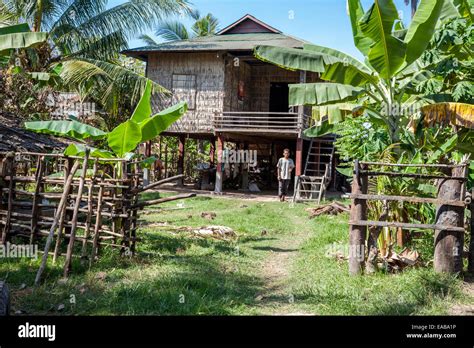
x: 78, y: 12
x: 195, y: 14
x: 148, y: 40
x: 131, y: 17
x: 173, y: 30
x: 205, y: 26
x: 105, y: 81
x: 104, y: 48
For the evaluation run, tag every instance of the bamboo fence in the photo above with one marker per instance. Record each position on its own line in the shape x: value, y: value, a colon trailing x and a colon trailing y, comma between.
x: 75, y: 206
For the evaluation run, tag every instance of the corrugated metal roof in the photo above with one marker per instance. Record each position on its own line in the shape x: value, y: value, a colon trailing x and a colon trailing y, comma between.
x: 231, y: 42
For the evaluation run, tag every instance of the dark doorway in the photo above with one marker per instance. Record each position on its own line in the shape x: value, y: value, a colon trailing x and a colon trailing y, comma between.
x: 278, y: 97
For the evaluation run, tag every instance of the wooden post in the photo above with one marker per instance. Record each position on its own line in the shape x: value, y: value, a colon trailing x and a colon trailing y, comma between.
x: 146, y: 171
x: 357, y: 234
x: 61, y: 205
x: 301, y: 107
x: 212, y: 152
x: 299, y: 157
x: 245, y: 170
x: 35, y: 210
x: 181, y: 147
x: 75, y: 216
x: 90, y: 204
x: 98, y: 222
x: 220, y: 153
x: 470, y: 267
x: 449, y: 244
x: 64, y: 213
x: 10, y: 165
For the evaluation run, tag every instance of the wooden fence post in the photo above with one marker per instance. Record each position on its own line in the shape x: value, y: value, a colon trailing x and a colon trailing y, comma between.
x: 470, y: 268
x: 357, y: 233
x: 449, y: 244
x: 181, y: 149
x: 75, y: 216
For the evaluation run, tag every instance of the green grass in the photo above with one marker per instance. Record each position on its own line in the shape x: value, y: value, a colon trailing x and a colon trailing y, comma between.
x: 323, y: 284
x: 174, y: 274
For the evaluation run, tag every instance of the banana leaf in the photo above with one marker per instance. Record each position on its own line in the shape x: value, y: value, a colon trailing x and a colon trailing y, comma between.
x: 322, y: 93
x: 340, y: 56
x: 334, y: 112
x: 457, y: 114
x: 124, y: 138
x: 422, y: 28
x: 16, y: 28
x: 356, y: 12
x: 66, y: 128
x: 320, y: 130
x: 160, y: 122
x: 80, y: 150
x: 346, y: 74
x: 20, y: 40
x: 387, y: 53
x: 294, y: 59
x: 143, y: 109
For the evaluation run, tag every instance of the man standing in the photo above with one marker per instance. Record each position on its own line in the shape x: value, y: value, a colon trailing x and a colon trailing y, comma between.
x: 284, y: 167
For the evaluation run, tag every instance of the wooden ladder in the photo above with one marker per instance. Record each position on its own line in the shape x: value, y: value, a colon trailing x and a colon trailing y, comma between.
x: 312, y: 185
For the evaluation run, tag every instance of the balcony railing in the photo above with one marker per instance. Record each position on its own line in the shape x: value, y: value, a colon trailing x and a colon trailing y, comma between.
x: 260, y: 122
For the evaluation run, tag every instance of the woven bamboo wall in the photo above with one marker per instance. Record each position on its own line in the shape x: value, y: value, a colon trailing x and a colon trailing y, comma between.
x: 209, y: 71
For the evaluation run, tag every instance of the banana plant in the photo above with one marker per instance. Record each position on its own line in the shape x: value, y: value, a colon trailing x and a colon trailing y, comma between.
x: 377, y: 87
x: 123, y: 139
x: 18, y: 36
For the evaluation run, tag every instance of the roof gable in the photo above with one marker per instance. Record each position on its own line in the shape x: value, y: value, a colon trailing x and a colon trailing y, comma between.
x: 248, y: 24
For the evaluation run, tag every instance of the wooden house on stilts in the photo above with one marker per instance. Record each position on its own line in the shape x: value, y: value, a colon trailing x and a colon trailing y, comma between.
x: 235, y: 98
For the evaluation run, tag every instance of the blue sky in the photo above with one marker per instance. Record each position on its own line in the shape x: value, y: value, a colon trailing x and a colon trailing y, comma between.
x: 323, y: 22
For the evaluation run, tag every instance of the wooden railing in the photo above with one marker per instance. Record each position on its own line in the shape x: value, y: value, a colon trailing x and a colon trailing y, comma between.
x: 265, y: 122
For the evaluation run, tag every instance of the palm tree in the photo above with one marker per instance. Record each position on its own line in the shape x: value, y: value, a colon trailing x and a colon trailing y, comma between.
x: 175, y: 30
x: 84, y: 39
x: 413, y: 4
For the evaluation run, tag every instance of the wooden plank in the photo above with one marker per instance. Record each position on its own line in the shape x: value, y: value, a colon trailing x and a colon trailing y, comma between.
x: 407, y: 199
x: 414, y: 165
x: 411, y: 175
x: 405, y: 225
x: 258, y: 113
x: 256, y: 130
x: 256, y: 126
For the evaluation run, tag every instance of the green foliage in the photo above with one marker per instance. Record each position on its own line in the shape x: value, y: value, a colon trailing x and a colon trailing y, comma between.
x: 86, y: 36
x: 172, y: 30
x: 124, y: 138
x: 66, y: 128
x: 395, y: 75
x: 18, y: 36
x: 386, y: 53
x: 80, y: 150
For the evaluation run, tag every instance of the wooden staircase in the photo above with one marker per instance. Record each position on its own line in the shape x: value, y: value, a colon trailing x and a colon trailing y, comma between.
x: 317, y: 170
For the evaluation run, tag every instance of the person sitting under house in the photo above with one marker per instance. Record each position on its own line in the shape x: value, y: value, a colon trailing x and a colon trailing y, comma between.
x: 284, y: 167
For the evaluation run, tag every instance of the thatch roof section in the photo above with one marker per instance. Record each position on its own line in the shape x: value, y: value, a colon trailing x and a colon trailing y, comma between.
x: 239, y: 36
x: 231, y: 42
x: 13, y: 137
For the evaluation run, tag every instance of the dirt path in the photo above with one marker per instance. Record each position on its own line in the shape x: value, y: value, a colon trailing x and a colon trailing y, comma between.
x: 276, y: 297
